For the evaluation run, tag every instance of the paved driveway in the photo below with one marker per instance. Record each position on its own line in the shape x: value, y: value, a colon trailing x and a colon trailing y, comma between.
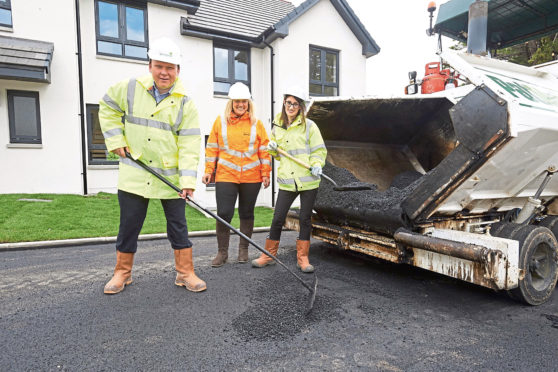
x: 368, y: 315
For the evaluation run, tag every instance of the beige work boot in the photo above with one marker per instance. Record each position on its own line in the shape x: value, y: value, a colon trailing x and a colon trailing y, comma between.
x: 271, y: 246
x: 223, y: 234
x: 246, y: 227
x: 122, y: 273
x: 185, y: 275
x: 302, y: 250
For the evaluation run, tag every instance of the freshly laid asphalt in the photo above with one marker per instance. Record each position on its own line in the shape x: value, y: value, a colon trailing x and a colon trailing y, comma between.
x: 369, y: 315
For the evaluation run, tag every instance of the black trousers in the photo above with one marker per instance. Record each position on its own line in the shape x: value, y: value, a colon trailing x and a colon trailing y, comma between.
x: 226, y: 194
x: 133, y: 209
x: 284, y: 201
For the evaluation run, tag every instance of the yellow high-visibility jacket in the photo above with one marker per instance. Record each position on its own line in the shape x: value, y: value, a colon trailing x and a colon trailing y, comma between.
x: 303, y: 141
x: 165, y: 136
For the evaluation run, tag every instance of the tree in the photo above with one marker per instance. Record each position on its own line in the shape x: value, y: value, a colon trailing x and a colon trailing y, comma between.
x: 532, y: 52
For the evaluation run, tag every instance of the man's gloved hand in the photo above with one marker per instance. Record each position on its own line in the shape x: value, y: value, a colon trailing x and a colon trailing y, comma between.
x: 272, y: 146
x: 316, y: 170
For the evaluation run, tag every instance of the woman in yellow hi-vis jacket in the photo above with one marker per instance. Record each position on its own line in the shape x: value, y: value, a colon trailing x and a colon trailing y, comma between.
x: 236, y: 150
x: 299, y: 137
x: 160, y: 128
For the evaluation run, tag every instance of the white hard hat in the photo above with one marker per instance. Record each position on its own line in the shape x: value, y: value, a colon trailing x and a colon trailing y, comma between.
x: 298, y: 92
x: 239, y: 91
x: 165, y: 50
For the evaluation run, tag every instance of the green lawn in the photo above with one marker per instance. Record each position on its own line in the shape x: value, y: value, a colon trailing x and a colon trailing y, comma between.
x: 75, y: 216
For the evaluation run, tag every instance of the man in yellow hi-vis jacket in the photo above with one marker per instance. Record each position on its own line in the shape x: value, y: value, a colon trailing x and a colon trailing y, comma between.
x: 152, y: 118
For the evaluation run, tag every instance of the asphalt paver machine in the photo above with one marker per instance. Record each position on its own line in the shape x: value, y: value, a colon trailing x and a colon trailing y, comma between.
x: 461, y: 180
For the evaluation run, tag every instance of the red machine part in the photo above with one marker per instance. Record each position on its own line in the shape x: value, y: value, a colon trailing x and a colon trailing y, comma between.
x: 435, y: 80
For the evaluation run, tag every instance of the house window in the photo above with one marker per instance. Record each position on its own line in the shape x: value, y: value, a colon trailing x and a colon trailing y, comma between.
x: 324, y: 72
x: 230, y: 64
x: 24, y: 117
x: 6, y: 13
x: 97, y: 149
x: 121, y: 29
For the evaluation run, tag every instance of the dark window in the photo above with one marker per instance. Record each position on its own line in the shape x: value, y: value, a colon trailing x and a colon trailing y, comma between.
x: 97, y: 150
x: 6, y: 13
x: 212, y: 181
x: 324, y: 72
x: 24, y: 117
x: 121, y: 29
x: 230, y: 64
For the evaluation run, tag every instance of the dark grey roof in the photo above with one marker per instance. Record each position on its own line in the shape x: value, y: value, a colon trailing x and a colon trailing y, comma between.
x: 254, y: 21
x: 24, y: 59
x: 242, y: 19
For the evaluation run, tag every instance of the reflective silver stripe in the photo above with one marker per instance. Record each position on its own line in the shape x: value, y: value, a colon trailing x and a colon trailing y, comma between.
x: 188, y: 173
x: 286, y: 181
x: 229, y: 164
x: 180, y: 114
x: 309, y: 178
x: 110, y: 103
x: 211, y: 159
x: 238, y: 154
x: 148, y: 123
x: 212, y: 145
x: 164, y: 172
x: 262, y: 148
x: 308, y: 124
x: 317, y: 157
x: 224, y: 132
x: 251, y: 165
x: 130, y: 95
x: 265, y: 161
x: 322, y: 146
x: 253, y: 133
x: 297, y: 152
x: 113, y: 132
x: 189, y: 132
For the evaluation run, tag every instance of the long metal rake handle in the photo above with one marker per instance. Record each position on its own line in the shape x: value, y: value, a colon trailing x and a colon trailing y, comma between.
x: 174, y: 187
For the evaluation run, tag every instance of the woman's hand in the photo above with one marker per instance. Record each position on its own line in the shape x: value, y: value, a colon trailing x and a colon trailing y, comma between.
x: 206, y: 178
x: 265, y: 181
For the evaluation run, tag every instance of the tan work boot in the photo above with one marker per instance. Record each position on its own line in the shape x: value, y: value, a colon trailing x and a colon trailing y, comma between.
x: 223, y: 234
x: 302, y: 249
x: 246, y: 227
x: 185, y: 275
x: 271, y: 246
x: 122, y: 273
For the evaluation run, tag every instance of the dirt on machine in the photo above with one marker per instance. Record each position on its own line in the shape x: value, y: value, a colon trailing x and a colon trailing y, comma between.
x: 460, y: 181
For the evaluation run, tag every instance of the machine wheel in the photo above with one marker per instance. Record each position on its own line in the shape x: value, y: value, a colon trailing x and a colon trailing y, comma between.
x: 496, y: 227
x: 508, y: 230
x: 551, y: 223
x: 538, y: 259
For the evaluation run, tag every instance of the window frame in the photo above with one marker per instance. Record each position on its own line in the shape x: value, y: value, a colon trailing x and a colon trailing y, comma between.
x: 323, y: 51
x: 7, y: 6
x: 35, y: 140
x: 122, y: 37
x: 89, y: 111
x: 231, y: 80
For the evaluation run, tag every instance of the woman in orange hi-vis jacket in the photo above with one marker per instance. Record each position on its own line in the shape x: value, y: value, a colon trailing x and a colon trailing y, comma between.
x: 237, y: 148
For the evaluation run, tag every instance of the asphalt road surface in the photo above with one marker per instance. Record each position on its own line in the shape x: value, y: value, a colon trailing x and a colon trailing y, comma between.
x: 369, y: 315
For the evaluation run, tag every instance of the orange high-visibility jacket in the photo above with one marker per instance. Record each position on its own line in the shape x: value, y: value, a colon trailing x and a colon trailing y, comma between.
x: 238, y: 149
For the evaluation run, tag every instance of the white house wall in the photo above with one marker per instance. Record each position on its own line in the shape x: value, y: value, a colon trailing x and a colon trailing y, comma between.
x: 54, y: 166
x: 320, y: 26
x: 196, y: 72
